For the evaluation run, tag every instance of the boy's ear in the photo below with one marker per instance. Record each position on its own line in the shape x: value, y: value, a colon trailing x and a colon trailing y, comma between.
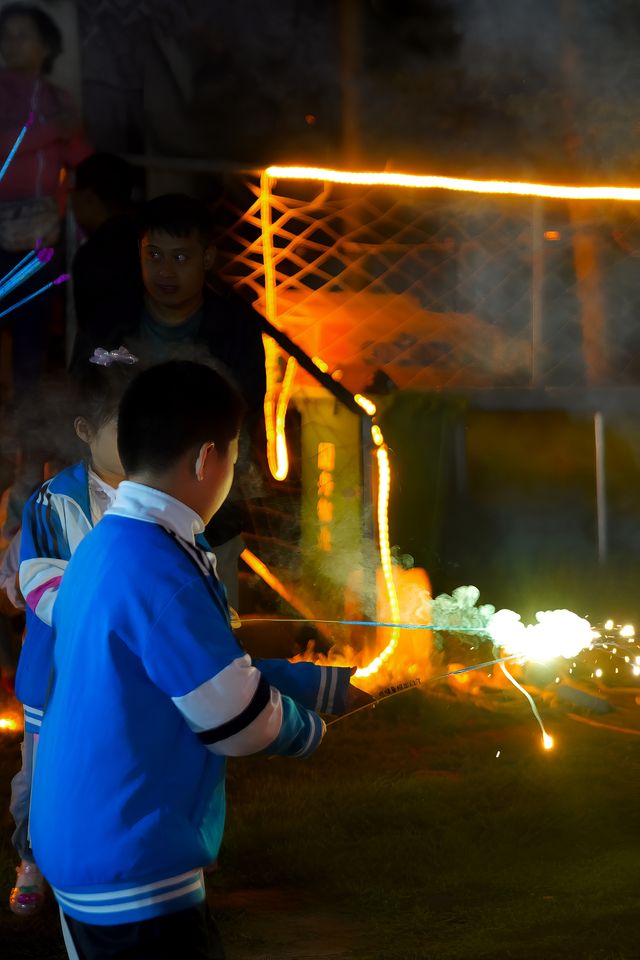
x: 204, y: 451
x: 83, y: 429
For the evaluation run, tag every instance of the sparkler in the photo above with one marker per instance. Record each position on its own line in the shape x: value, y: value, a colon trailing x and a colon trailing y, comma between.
x: 14, y: 148
x: 394, y: 690
x: 36, y: 293
x: 26, y: 268
x: 31, y: 262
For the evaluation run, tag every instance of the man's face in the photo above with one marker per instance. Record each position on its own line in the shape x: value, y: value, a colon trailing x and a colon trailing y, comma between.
x: 174, y: 268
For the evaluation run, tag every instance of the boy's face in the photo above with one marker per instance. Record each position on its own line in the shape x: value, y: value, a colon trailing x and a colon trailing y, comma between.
x: 218, y: 479
x: 174, y: 268
x: 103, y: 443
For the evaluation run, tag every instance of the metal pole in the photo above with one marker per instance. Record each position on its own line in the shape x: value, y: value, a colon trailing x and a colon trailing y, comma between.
x: 601, y: 485
x: 537, y: 281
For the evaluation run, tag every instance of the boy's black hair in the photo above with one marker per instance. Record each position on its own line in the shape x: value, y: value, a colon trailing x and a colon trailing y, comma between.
x: 178, y: 215
x: 98, y: 390
x: 172, y: 408
x: 47, y: 28
x: 111, y: 178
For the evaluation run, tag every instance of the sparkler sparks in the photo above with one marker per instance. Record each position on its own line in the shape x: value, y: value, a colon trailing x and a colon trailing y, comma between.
x: 556, y: 635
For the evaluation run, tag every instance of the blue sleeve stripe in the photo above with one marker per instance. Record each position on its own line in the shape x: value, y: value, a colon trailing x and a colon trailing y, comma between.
x: 321, y: 690
x: 332, y: 690
x: 254, y: 708
x: 316, y: 734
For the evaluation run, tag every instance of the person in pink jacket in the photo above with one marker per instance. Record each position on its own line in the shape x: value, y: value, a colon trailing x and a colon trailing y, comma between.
x: 32, y: 191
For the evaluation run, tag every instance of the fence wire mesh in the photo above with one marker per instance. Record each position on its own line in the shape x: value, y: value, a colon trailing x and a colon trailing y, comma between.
x: 435, y: 290
x: 412, y: 290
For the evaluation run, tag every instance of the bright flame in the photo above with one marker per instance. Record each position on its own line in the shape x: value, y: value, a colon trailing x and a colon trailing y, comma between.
x: 376, y: 435
x: 384, y: 486
x: 558, y: 633
x: 505, y: 187
x: 6, y: 723
x: 547, y: 741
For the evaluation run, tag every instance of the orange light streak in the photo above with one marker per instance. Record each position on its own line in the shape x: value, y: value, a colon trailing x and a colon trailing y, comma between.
x: 275, y: 410
x: 367, y: 405
x: 384, y: 486
x: 511, y: 188
x: 376, y: 435
x: 320, y: 364
x: 258, y: 566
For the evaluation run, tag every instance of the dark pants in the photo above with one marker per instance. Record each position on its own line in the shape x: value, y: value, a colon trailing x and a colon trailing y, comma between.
x: 186, y: 935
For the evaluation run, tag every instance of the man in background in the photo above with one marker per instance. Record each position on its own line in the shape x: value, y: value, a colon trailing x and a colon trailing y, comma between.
x: 172, y: 312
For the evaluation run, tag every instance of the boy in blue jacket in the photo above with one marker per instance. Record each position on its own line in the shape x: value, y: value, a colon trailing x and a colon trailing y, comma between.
x: 151, y: 690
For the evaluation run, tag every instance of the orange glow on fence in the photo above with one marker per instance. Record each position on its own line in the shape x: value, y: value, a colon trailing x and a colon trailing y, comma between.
x: 511, y: 188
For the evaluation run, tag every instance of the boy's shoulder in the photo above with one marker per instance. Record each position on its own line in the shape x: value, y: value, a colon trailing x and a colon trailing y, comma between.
x: 71, y: 482
x: 143, y: 559
x: 149, y: 545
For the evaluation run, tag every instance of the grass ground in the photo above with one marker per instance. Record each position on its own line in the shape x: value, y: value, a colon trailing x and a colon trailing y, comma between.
x: 407, y: 837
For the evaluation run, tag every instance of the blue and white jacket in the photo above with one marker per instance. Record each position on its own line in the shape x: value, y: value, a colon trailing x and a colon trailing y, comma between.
x: 151, y: 691
x: 57, y: 516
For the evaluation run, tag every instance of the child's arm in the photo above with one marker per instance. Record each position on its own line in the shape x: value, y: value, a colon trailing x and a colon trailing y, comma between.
x: 44, y: 554
x: 228, y: 703
x: 323, y: 689
x: 11, y: 600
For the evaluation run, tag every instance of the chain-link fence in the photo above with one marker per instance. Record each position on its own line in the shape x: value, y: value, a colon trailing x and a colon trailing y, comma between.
x: 435, y: 290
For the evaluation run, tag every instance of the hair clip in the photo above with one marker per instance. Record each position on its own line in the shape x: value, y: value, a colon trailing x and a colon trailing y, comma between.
x: 104, y: 358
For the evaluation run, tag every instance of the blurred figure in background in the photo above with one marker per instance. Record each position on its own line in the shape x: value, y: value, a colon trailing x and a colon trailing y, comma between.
x: 33, y: 189
x: 106, y: 266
